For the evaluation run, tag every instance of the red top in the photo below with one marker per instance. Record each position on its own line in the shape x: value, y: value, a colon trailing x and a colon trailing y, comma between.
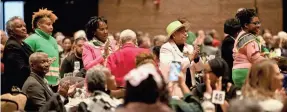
x: 215, y: 43
x: 123, y: 60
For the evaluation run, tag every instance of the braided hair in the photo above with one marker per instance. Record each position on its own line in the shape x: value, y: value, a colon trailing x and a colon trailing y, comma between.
x: 93, y: 25
x: 245, y: 16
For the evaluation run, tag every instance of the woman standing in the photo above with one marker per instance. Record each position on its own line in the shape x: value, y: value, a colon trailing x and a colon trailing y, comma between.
x: 99, y: 46
x: 16, y: 55
x: 42, y: 41
x: 176, y: 49
x: 246, y: 49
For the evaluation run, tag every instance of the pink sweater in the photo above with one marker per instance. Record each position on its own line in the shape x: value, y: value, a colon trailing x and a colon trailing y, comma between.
x: 247, y: 55
x: 93, y: 55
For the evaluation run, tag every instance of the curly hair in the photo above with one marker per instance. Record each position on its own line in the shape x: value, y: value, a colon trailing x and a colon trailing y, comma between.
x: 93, y: 25
x: 245, y: 16
x: 41, y: 14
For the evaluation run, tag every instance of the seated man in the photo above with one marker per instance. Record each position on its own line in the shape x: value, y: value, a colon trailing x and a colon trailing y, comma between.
x: 36, y: 87
x: 68, y: 64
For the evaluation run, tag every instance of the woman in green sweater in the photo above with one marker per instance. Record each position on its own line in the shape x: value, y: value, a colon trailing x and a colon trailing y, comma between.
x: 42, y: 41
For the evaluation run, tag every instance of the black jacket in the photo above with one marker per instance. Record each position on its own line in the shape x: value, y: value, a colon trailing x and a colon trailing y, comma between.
x: 68, y: 66
x: 226, y: 53
x: 37, y: 91
x: 16, y: 62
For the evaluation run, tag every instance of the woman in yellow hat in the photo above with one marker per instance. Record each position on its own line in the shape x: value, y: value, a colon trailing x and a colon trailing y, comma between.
x: 176, y: 49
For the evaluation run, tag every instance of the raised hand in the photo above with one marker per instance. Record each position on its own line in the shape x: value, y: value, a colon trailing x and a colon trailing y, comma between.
x: 195, y: 53
x: 72, y: 89
x: 63, y: 88
x: 181, y: 78
x: 106, y: 48
x: 208, y: 84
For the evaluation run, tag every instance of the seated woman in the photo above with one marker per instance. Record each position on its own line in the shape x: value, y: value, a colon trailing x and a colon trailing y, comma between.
x: 187, y: 104
x: 144, y: 87
x: 215, y: 71
x: 263, y: 83
x: 67, y: 48
x: 98, y: 99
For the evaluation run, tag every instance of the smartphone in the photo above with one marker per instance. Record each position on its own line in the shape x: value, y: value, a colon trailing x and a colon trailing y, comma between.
x: 175, y: 68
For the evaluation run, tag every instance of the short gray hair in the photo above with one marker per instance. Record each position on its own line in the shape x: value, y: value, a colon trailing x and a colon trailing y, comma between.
x: 96, y: 78
x: 127, y: 35
x: 10, y: 23
x: 33, y: 57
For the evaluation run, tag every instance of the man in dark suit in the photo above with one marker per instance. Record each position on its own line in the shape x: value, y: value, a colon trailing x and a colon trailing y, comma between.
x: 15, y: 56
x: 36, y: 87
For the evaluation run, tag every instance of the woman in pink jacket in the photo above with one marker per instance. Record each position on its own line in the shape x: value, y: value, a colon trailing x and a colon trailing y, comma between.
x: 99, y: 46
x: 246, y: 49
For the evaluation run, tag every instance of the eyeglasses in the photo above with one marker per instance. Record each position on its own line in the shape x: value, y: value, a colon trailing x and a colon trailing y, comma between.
x: 258, y: 23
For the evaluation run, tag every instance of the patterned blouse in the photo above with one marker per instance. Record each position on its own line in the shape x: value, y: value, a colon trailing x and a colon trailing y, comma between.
x: 98, y: 102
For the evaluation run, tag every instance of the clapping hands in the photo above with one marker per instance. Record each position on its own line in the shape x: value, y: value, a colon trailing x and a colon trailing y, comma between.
x: 218, y: 84
x: 106, y: 48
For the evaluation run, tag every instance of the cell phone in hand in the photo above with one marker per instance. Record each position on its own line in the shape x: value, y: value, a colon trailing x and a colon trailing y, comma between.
x: 175, y: 68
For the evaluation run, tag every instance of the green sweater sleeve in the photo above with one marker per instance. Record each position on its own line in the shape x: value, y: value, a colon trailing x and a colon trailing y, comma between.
x: 31, y: 42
